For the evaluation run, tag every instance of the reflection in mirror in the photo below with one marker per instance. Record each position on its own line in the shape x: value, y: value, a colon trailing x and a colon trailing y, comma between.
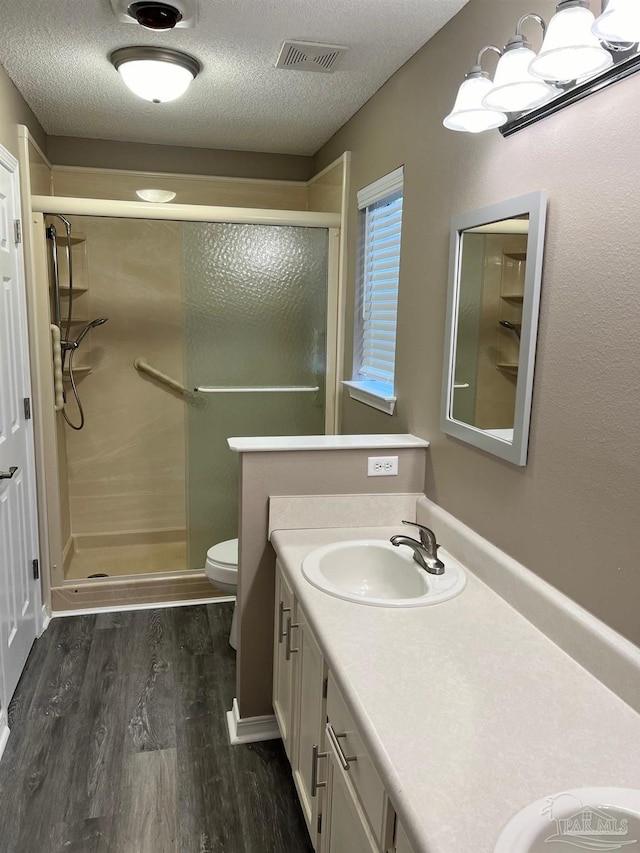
x: 495, y: 269
x: 493, y: 262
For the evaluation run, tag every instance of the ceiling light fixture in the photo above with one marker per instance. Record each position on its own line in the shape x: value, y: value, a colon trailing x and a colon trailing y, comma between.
x: 157, y: 74
x: 156, y: 196
x: 469, y: 113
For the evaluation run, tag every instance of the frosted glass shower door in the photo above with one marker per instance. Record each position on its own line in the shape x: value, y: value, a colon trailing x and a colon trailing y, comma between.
x: 255, y: 304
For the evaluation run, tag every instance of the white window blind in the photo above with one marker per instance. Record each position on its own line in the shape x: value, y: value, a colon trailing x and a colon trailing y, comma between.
x: 379, y: 288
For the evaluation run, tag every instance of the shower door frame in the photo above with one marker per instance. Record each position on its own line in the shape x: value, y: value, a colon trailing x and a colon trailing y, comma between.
x: 331, y: 222
x: 236, y: 216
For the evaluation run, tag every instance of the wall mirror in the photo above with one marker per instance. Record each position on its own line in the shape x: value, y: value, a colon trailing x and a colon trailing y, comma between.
x: 495, y: 269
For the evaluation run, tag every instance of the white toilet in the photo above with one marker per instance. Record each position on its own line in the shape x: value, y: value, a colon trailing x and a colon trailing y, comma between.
x: 222, y: 570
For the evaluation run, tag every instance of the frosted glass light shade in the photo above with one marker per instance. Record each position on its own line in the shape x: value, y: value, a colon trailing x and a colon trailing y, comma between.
x: 514, y: 88
x: 155, y: 80
x: 619, y: 23
x: 570, y: 50
x: 156, y: 196
x: 468, y: 113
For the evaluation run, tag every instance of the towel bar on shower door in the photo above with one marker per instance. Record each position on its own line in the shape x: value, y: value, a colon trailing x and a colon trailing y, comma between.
x: 259, y: 389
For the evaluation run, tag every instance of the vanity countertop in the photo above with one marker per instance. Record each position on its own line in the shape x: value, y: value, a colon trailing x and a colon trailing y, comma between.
x: 470, y: 712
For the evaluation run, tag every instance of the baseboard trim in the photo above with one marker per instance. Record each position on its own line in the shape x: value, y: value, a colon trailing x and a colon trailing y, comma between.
x: 152, y: 605
x: 251, y: 729
x: 45, y: 619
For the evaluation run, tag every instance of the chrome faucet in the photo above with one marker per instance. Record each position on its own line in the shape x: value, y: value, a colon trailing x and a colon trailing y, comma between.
x: 425, y: 552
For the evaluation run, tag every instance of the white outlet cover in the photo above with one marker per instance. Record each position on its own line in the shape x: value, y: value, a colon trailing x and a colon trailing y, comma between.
x: 382, y: 466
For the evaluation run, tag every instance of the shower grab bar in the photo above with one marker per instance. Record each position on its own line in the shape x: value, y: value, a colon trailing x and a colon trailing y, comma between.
x: 143, y: 366
x: 58, y: 387
x: 259, y: 389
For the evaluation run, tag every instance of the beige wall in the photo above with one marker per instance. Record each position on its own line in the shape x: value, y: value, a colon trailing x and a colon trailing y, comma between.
x: 324, y: 472
x: 14, y: 111
x: 571, y: 514
x: 140, y: 157
x: 189, y: 189
x: 127, y: 467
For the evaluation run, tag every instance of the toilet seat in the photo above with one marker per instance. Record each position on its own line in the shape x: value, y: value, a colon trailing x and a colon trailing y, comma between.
x: 221, y: 567
x: 222, y: 562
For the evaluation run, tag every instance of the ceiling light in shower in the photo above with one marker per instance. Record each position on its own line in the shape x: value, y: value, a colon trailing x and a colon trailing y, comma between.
x: 156, y: 74
x: 156, y: 196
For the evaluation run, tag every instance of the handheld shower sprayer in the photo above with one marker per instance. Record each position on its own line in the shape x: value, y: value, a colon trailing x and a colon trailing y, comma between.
x: 72, y: 346
x: 67, y: 347
x: 100, y: 320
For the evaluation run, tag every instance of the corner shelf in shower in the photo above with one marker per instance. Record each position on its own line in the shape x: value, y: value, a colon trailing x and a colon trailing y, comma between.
x: 78, y: 371
x: 508, y: 367
x: 77, y: 288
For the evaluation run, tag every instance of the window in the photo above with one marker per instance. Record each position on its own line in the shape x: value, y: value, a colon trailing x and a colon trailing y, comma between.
x: 377, y: 294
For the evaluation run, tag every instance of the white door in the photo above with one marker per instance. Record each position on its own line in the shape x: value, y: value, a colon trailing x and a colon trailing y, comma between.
x: 19, y: 591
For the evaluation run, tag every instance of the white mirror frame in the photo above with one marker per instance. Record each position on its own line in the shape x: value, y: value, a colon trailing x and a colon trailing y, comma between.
x: 535, y: 205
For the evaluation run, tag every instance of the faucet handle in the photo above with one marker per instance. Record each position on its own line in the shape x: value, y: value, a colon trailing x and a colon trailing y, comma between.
x: 427, y: 537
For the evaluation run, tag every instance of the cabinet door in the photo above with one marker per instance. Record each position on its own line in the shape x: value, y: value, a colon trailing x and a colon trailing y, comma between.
x: 283, y: 657
x: 309, y: 680
x: 345, y: 828
x: 402, y: 842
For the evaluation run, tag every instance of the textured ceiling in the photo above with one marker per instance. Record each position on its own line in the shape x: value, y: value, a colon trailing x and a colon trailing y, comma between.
x: 56, y: 53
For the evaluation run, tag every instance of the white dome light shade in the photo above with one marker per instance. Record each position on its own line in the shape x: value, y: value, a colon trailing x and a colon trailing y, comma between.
x: 514, y: 88
x: 619, y: 23
x: 468, y: 113
x: 156, y: 196
x: 155, y: 74
x: 570, y: 50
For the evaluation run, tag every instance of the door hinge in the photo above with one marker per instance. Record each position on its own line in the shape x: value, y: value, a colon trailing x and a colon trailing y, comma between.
x: 17, y: 231
x: 325, y: 687
x: 27, y: 408
x: 319, y: 824
x: 36, y: 569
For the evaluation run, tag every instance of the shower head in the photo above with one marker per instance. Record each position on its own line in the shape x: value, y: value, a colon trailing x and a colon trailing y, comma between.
x: 507, y: 325
x: 98, y: 322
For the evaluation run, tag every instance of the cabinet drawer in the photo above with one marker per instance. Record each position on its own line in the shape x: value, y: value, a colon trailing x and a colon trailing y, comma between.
x: 361, y: 772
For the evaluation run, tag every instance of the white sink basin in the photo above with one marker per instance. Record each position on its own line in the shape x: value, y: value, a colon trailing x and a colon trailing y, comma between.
x: 581, y: 819
x: 373, y: 571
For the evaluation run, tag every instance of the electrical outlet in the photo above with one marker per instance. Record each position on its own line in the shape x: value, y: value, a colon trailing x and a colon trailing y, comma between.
x: 382, y: 466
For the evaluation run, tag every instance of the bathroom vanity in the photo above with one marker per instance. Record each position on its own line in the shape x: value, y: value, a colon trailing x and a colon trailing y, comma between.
x: 427, y: 728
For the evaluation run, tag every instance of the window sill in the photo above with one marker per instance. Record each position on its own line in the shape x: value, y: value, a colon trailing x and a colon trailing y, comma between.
x: 375, y: 394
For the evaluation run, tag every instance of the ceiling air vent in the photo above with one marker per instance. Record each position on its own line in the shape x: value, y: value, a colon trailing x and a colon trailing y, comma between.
x: 310, y: 56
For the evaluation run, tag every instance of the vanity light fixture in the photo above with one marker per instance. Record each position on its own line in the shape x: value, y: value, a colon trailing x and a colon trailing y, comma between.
x: 157, y: 74
x: 619, y: 23
x: 580, y: 55
x: 570, y: 51
x: 514, y: 88
x: 469, y: 112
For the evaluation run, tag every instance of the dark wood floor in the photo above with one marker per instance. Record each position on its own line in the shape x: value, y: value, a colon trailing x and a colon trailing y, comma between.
x: 118, y: 744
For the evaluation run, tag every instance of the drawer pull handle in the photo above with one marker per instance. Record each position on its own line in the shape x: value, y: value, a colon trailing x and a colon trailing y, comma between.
x: 281, y: 611
x: 334, y: 738
x: 315, y: 756
x: 288, y: 651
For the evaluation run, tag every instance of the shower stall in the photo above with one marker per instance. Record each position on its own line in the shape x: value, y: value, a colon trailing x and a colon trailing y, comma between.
x: 220, y: 323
